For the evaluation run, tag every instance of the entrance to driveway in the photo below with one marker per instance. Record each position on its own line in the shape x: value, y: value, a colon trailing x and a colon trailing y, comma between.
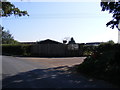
x: 56, y: 62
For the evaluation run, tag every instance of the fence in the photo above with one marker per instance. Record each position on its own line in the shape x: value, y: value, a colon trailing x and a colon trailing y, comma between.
x: 53, y: 50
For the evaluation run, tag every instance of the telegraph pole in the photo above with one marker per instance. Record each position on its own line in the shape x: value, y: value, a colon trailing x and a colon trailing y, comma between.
x: 119, y: 32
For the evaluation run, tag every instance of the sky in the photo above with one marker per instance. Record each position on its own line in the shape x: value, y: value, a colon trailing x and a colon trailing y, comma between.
x: 84, y: 21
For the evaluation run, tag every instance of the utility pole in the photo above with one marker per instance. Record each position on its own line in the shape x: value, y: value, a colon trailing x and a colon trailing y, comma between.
x: 119, y: 32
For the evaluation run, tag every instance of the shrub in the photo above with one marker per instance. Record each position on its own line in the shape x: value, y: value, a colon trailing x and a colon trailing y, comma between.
x: 88, y: 50
x: 16, y: 49
x: 104, y: 63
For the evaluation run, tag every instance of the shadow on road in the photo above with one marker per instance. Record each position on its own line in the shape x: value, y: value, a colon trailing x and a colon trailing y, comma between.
x: 50, y: 78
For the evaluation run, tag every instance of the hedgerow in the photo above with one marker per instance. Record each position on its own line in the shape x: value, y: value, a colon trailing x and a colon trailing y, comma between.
x: 16, y: 49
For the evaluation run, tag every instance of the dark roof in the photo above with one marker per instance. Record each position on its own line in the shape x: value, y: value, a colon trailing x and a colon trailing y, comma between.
x: 93, y: 43
x: 27, y: 42
x: 81, y: 43
x: 48, y: 41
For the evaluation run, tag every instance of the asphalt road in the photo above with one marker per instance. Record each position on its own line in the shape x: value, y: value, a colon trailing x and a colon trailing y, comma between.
x: 20, y: 73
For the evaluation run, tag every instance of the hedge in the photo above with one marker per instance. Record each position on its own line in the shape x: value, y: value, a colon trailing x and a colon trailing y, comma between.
x: 16, y: 49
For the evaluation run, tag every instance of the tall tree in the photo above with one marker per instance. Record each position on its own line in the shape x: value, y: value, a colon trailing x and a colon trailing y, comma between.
x: 6, y: 37
x: 8, y: 9
x: 113, y: 6
x: 72, y: 41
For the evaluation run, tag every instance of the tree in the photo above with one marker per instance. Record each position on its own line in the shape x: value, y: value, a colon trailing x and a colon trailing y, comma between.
x: 113, y: 7
x: 111, y: 42
x: 6, y: 37
x: 72, y: 41
x: 8, y: 9
x: 64, y: 41
x: 0, y: 34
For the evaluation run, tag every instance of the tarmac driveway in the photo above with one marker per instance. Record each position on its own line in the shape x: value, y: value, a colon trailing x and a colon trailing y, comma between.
x: 56, y: 62
x: 27, y: 72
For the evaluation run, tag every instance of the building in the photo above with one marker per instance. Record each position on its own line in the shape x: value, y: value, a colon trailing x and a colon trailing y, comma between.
x: 48, y: 41
x: 51, y: 48
x: 93, y: 43
x: 48, y: 48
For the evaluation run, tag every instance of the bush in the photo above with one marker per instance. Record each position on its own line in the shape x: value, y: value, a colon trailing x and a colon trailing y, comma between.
x: 88, y: 50
x: 16, y: 49
x: 104, y: 63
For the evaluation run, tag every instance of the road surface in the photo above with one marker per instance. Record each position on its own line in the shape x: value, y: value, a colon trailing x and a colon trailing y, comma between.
x: 21, y: 72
